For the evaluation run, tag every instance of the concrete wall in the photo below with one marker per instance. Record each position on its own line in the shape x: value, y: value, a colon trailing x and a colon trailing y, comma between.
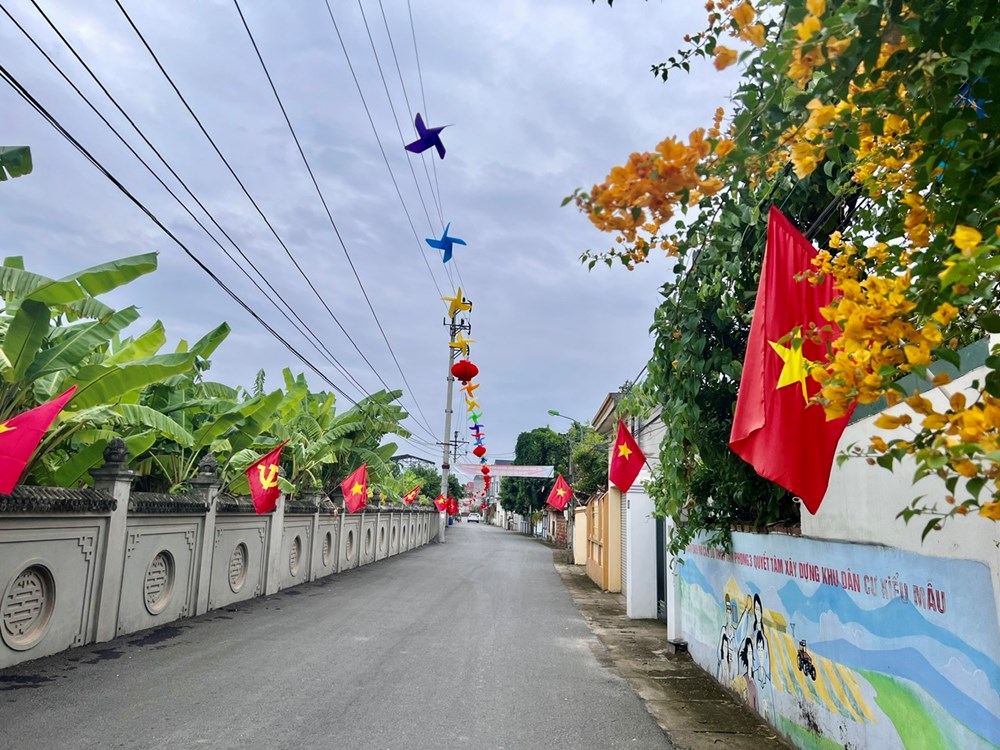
x: 902, y: 649
x: 84, y: 566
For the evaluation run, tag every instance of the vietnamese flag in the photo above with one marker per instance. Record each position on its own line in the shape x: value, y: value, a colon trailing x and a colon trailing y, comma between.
x: 452, y: 506
x: 355, y: 489
x: 441, y: 502
x: 626, y: 459
x: 20, y: 435
x: 560, y: 495
x: 410, y: 497
x: 262, y: 475
x: 775, y: 428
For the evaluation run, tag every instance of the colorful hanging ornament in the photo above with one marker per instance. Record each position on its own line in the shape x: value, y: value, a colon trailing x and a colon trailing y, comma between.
x: 462, y: 344
x: 464, y: 370
x: 458, y: 304
x: 485, y: 470
x: 426, y: 138
x: 446, y: 243
x: 479, y: 451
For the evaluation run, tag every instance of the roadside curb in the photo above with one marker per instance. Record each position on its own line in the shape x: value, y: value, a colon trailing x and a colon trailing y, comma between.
x: 694, y: 711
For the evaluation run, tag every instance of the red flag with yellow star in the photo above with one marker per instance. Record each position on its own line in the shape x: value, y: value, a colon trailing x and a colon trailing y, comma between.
x: 410, y: 497
x: 775, y: 429
x: 441, y: 502
x: 561, y: 494
x: 262, y: 475
x: 626, y: 459
x: 20, y: 435
x: 355, y: 489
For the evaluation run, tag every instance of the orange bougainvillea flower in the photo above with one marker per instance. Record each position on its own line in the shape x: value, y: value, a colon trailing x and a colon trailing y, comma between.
x: 724, y: 57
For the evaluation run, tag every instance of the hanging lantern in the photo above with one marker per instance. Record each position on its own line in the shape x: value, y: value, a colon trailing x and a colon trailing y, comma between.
x: 485, y: 470
x: 479, y: 451
x: 464, y: 370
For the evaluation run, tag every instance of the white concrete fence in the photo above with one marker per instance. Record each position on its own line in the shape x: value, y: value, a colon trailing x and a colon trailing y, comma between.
x: 80, y: 566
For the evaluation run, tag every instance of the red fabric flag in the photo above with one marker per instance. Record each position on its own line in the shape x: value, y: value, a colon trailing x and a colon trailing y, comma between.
x: 626, y: 459
x: 775, y: 429
x: 410, y: 497
x: 262, y: 475
x: 561, y: 494
x: 355, y: 489
x: 441, y: 502
x: 452, y: 506
x: 20, y: 435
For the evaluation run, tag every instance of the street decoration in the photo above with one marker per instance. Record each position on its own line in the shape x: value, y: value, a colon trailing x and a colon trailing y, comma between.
x: 561, y: 494
x: 776, y: 428
x: 464, y: 370
x: 457, y: 304
x: 355, y: 489
x: 410, y: 497
x: 262, y: 475
x: 626, y: 459
x: 441, y: 502
x: 426, y: 138
x: 20, y: 435
x: 446, y: 243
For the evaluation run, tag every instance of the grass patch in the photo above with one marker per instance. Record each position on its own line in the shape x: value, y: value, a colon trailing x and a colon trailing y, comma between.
x: 916, y: 729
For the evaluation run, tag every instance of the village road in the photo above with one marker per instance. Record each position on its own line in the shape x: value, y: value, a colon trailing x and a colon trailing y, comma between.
x: 473, y: 644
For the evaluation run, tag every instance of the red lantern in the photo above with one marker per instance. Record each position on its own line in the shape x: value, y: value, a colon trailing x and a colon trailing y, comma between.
x: 464, y: 370
x: 479, y: 451
x: 485, y: 470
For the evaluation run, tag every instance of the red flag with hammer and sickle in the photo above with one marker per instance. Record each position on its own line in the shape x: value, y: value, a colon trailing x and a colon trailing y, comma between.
x: 262, y: 475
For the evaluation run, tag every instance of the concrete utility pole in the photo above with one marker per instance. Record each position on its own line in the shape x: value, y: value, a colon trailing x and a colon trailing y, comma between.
x: 455, y: 325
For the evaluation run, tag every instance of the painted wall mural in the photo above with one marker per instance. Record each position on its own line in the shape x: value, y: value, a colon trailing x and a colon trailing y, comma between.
x: 847, y: 645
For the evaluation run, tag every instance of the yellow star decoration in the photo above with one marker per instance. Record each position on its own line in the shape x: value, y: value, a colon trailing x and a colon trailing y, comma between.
x: 624, y: 451
x: 462, y: 344
x: 796, y: 367
x: 560, y: 492
x: 457, y: 304
x: 4, y: 428
x: 357, y: 489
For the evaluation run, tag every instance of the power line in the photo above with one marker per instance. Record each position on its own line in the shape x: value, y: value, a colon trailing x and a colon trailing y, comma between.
x: 26, y: 95
x: 326, y: 208
x: 423, y: 96
x: 246, y: 192
x: 317, y: 344
x: 385, y: 158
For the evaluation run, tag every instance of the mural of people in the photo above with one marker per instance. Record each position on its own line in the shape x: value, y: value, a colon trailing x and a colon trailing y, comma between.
x: 724, y: 670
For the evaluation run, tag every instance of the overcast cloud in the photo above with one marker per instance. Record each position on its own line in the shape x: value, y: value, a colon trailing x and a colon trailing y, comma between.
x: 543, y: 96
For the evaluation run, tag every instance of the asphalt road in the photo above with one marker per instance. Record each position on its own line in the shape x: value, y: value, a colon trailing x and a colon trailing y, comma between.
x: 471, y: 644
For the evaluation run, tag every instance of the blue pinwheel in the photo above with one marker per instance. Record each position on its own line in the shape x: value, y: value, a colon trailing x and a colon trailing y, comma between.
x: 427, y: 137
x: 446, y: 243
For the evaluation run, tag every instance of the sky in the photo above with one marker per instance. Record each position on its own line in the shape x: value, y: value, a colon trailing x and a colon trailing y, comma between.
x: 540, y: 96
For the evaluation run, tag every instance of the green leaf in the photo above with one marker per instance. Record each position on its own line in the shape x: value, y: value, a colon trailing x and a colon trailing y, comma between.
x: 100, y: 384
x: 953, y: 128
x: 107, y: 276
x: 949, y: 355
x: 990, y: 322
x: 71, y: 344
x: 932, y: 525
x: 975, y: 485
x: 23, y: 338
x: 73, y: 472
x: 136, y: 415
x: 208, y: 343
x: 15, y: 161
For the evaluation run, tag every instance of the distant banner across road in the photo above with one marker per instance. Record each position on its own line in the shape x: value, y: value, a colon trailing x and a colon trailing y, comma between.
x: 507, y: 470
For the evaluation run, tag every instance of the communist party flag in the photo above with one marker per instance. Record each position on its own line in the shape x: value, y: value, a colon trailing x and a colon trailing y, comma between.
x: 441, y: 502
x: 20, y: 435
x: 561, y: 494
x: 262, y: 475
x: 626, y: 459
x: 355, y: 489
x: 410, y: 497
x: 775, y: 429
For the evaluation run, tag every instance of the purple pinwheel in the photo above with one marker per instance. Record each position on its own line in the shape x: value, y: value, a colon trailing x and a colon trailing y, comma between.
x: 427, y: 137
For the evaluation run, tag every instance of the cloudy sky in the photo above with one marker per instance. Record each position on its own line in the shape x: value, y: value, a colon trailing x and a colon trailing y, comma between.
x: 541, y: 96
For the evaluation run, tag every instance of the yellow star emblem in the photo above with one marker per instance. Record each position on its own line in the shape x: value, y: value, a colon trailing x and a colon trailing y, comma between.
x: 4, y: 428
x: 624, y: 451
x: 457, y: 303
x: 357, y: 489
x: 796, y: 367
x: 560, y: 492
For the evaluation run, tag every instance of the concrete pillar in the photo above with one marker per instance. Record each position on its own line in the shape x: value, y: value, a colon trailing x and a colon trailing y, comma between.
x: 316, y: 559
x: 640, y: 584
x: 276, y: 530
x: 115, y: 479
x: 675, y: 632
x: 206, y: 488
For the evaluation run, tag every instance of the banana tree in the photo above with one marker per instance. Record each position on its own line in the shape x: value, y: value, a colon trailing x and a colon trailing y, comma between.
x: 15, y: 161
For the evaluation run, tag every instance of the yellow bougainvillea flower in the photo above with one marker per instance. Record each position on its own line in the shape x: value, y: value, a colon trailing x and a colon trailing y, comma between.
x: 835, y: 47
x: 724, y: 57
x: 810, y: 26
x: 816, y: 7
x: 724, y: 148
x: 945, y: 313
x: 805, y: 158
x: 889, y: 422
x: 743, y: 14
x: 966, y: 239
x: 754, y: 33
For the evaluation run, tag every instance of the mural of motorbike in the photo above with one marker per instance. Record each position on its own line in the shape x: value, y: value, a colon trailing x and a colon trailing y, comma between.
x: 805, y: 661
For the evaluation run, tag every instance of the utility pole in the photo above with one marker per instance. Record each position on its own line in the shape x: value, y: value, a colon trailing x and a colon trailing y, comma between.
x: 454, y: 325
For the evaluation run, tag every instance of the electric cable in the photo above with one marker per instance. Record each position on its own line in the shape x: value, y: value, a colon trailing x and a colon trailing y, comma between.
x: 326, y: 208
x: 315, y: 340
